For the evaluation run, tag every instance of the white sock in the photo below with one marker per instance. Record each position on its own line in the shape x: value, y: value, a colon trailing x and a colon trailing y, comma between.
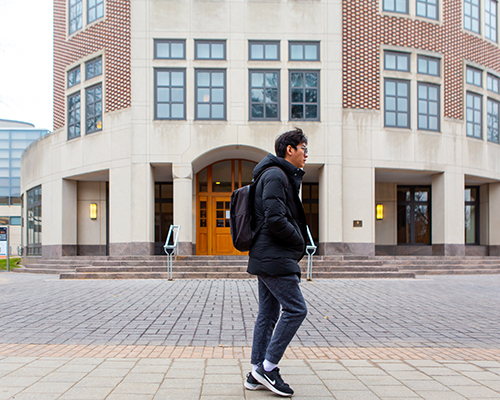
x: 254, y: 367
x: 268, y: 366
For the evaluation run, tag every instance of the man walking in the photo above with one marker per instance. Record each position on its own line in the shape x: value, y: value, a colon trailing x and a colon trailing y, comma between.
x: 278, y: 247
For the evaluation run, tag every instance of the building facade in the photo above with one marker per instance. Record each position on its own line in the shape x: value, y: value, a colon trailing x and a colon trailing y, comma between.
x: 15, y: 136
x: 161, y: 109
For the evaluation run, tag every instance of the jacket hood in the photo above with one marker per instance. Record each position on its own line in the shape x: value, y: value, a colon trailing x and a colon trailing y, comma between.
x: 295, y: 174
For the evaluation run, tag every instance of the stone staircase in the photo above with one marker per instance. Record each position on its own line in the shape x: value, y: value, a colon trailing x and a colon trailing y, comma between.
x: 234, y: 267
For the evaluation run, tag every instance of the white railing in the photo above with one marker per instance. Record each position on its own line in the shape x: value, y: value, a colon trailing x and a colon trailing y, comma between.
x: 310, y: 250
x: 171, y: 249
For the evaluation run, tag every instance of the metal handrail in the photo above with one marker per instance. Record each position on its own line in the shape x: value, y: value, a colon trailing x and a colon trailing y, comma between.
x: 171, y: 249
x: 310, y: 250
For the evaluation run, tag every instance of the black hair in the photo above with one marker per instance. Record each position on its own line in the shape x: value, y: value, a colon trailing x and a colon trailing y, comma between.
x: 290, y: 138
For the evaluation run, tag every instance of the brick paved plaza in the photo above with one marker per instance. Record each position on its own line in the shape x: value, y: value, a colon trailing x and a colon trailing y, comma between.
x: 430, y: 338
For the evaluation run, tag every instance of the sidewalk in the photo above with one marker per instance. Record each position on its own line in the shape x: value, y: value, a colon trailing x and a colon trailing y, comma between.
x: 436, y: 338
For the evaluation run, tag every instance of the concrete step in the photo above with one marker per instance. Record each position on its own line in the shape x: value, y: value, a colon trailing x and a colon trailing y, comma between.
x: 48, y: 271
x: 456, y: 271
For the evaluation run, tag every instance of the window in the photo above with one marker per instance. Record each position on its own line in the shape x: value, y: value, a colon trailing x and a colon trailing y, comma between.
x: 93, y: 108
x: 397, y: 103
x: 4, y: 221
x: 310, y: 201
x: 304, y: 95
x: 427, y: 9
x: 264, y: 95
x: 490, y: 20
x: 211, y: 94
x: 74, y: 77
x: 304, y: 51
x: 34, y: 218
x: 93, y: 68
x: 428, y: 66
x: 492, y: 120
x: 75, y: 15
x: 414, y: 215
x: 396, y: 61
x: 472, y: 215
x: 74, y: 116
x: 428, y: 107
x: 170, y: 49
x: 471, y: 15
x: 473, y: 76
x: 399, y: 6
x: 210, y: 50
x: 170, y: 94
x: 474, y: 111
x: 267, y: 51
x: 95, y: 10
x: 492, y: 83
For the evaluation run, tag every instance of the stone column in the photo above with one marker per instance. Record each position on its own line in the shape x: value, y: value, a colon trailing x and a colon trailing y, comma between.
x: 448, y: 214
x: 330, y: 210
x: 183, y: 205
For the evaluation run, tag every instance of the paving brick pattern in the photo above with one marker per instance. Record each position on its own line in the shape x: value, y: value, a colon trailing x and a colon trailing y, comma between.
x: 436, y: 312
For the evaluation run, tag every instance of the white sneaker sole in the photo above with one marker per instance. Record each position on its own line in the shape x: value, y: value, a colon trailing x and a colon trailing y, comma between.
x: 253, y: 386
x: 264, y: 382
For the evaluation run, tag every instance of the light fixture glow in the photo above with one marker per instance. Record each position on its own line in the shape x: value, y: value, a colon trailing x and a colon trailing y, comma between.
x: 93, y: 211
x: 380, y: 211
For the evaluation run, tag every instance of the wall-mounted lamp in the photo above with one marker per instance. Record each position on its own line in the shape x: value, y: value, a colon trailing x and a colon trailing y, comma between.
x: 93, y: 211
x: 380, y: 211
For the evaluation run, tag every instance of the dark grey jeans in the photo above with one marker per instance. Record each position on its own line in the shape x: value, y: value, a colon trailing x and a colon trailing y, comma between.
x: 270, y: 340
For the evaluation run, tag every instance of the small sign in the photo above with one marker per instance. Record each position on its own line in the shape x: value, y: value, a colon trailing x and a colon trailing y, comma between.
x: 357, y: 224
x: 3, y: 241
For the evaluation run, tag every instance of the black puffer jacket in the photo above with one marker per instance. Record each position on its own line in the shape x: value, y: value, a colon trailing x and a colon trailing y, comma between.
x: 281, y: 242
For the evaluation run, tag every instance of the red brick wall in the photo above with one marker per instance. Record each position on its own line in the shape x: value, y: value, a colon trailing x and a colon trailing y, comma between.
x: 112, y: 34
x: 365, y: 30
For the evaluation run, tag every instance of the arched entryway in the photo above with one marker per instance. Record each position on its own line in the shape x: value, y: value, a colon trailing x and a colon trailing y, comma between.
x: 214, y: 185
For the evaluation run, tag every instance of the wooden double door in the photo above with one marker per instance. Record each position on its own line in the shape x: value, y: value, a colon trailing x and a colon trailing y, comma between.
x: 215, y: 184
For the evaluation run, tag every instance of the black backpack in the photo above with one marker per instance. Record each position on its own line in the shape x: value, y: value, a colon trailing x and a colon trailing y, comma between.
x: 241, y: 219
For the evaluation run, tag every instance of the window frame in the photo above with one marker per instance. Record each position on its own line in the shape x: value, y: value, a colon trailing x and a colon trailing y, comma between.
x: 473, y: 122
x: 89, y: 8
x: 251, y: 103
x: 407, y: 6
x: 93, y: 62
x: 475, y: 72
x: 492, y: 78
x: 428, y: 59
x: 491, y: 138
x: 466, y: 16
x: 87, y: 104
x: 304, y: 43
x: 34, y: 248
x: 426, y: 4
x: 76, y: 110
x: 318, y: 98
x: 264, y: 43
x: 73, y: 72
x: 211, y: 43
x: 428, y: 101
x: 408, y: 111
x: 488, y: 15
x: 224, y: 103
x: 412, y: 203
x: 476, y: 203
x: 72, y: 4
x: 397, y: 54
x: 169, y: 42
x: 170, y: 102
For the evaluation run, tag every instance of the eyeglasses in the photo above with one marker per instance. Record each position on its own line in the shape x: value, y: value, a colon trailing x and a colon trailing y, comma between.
x: 305, y: 149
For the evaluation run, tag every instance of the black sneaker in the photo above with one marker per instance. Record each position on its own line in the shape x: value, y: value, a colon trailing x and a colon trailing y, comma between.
x: 252, y: 384
x: 273, y: 381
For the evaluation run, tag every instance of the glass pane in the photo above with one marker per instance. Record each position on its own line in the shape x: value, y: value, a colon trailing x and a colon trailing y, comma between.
x: 203, y: 50
x: 163, y: 94
x: 258, y: 95
x: 271, y: 95
x: 163, y: 111
x: 272, y: 79
x: 203, y: 95
x: 247, y: 172
x: 297, y: 111
x: 218, y: 111
x: 177, y: 50
x: 470, y: 224
x: 422, y: 66
x: 297, y: 96
x: 271, y: 111
x: 311, y: 111
x: 204, y: 111
x: 163, y: 78
x: 297, y: 79
x: 404, y: 225
x: 178, y: 111
x: 218, y: 95
x: 218, y: 79
x: 257, y: 51
x: 218, y: 51
x: 271, y: 52
x: 422, y: 225
x: 257, y: 79
x: 390, y: 88
x: 203, y: 79
x: 296, y: 52
x: 402, y: 89
x: 403, y: 63
x: 311, y: 80
x: 311, y: 52
x: 390, y: 61
x: 390, y: 104
x: 257, y: 111
x: 177, y: 78
x: 178, y: 95
x: 221, y: 179
x: 163, y: 50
